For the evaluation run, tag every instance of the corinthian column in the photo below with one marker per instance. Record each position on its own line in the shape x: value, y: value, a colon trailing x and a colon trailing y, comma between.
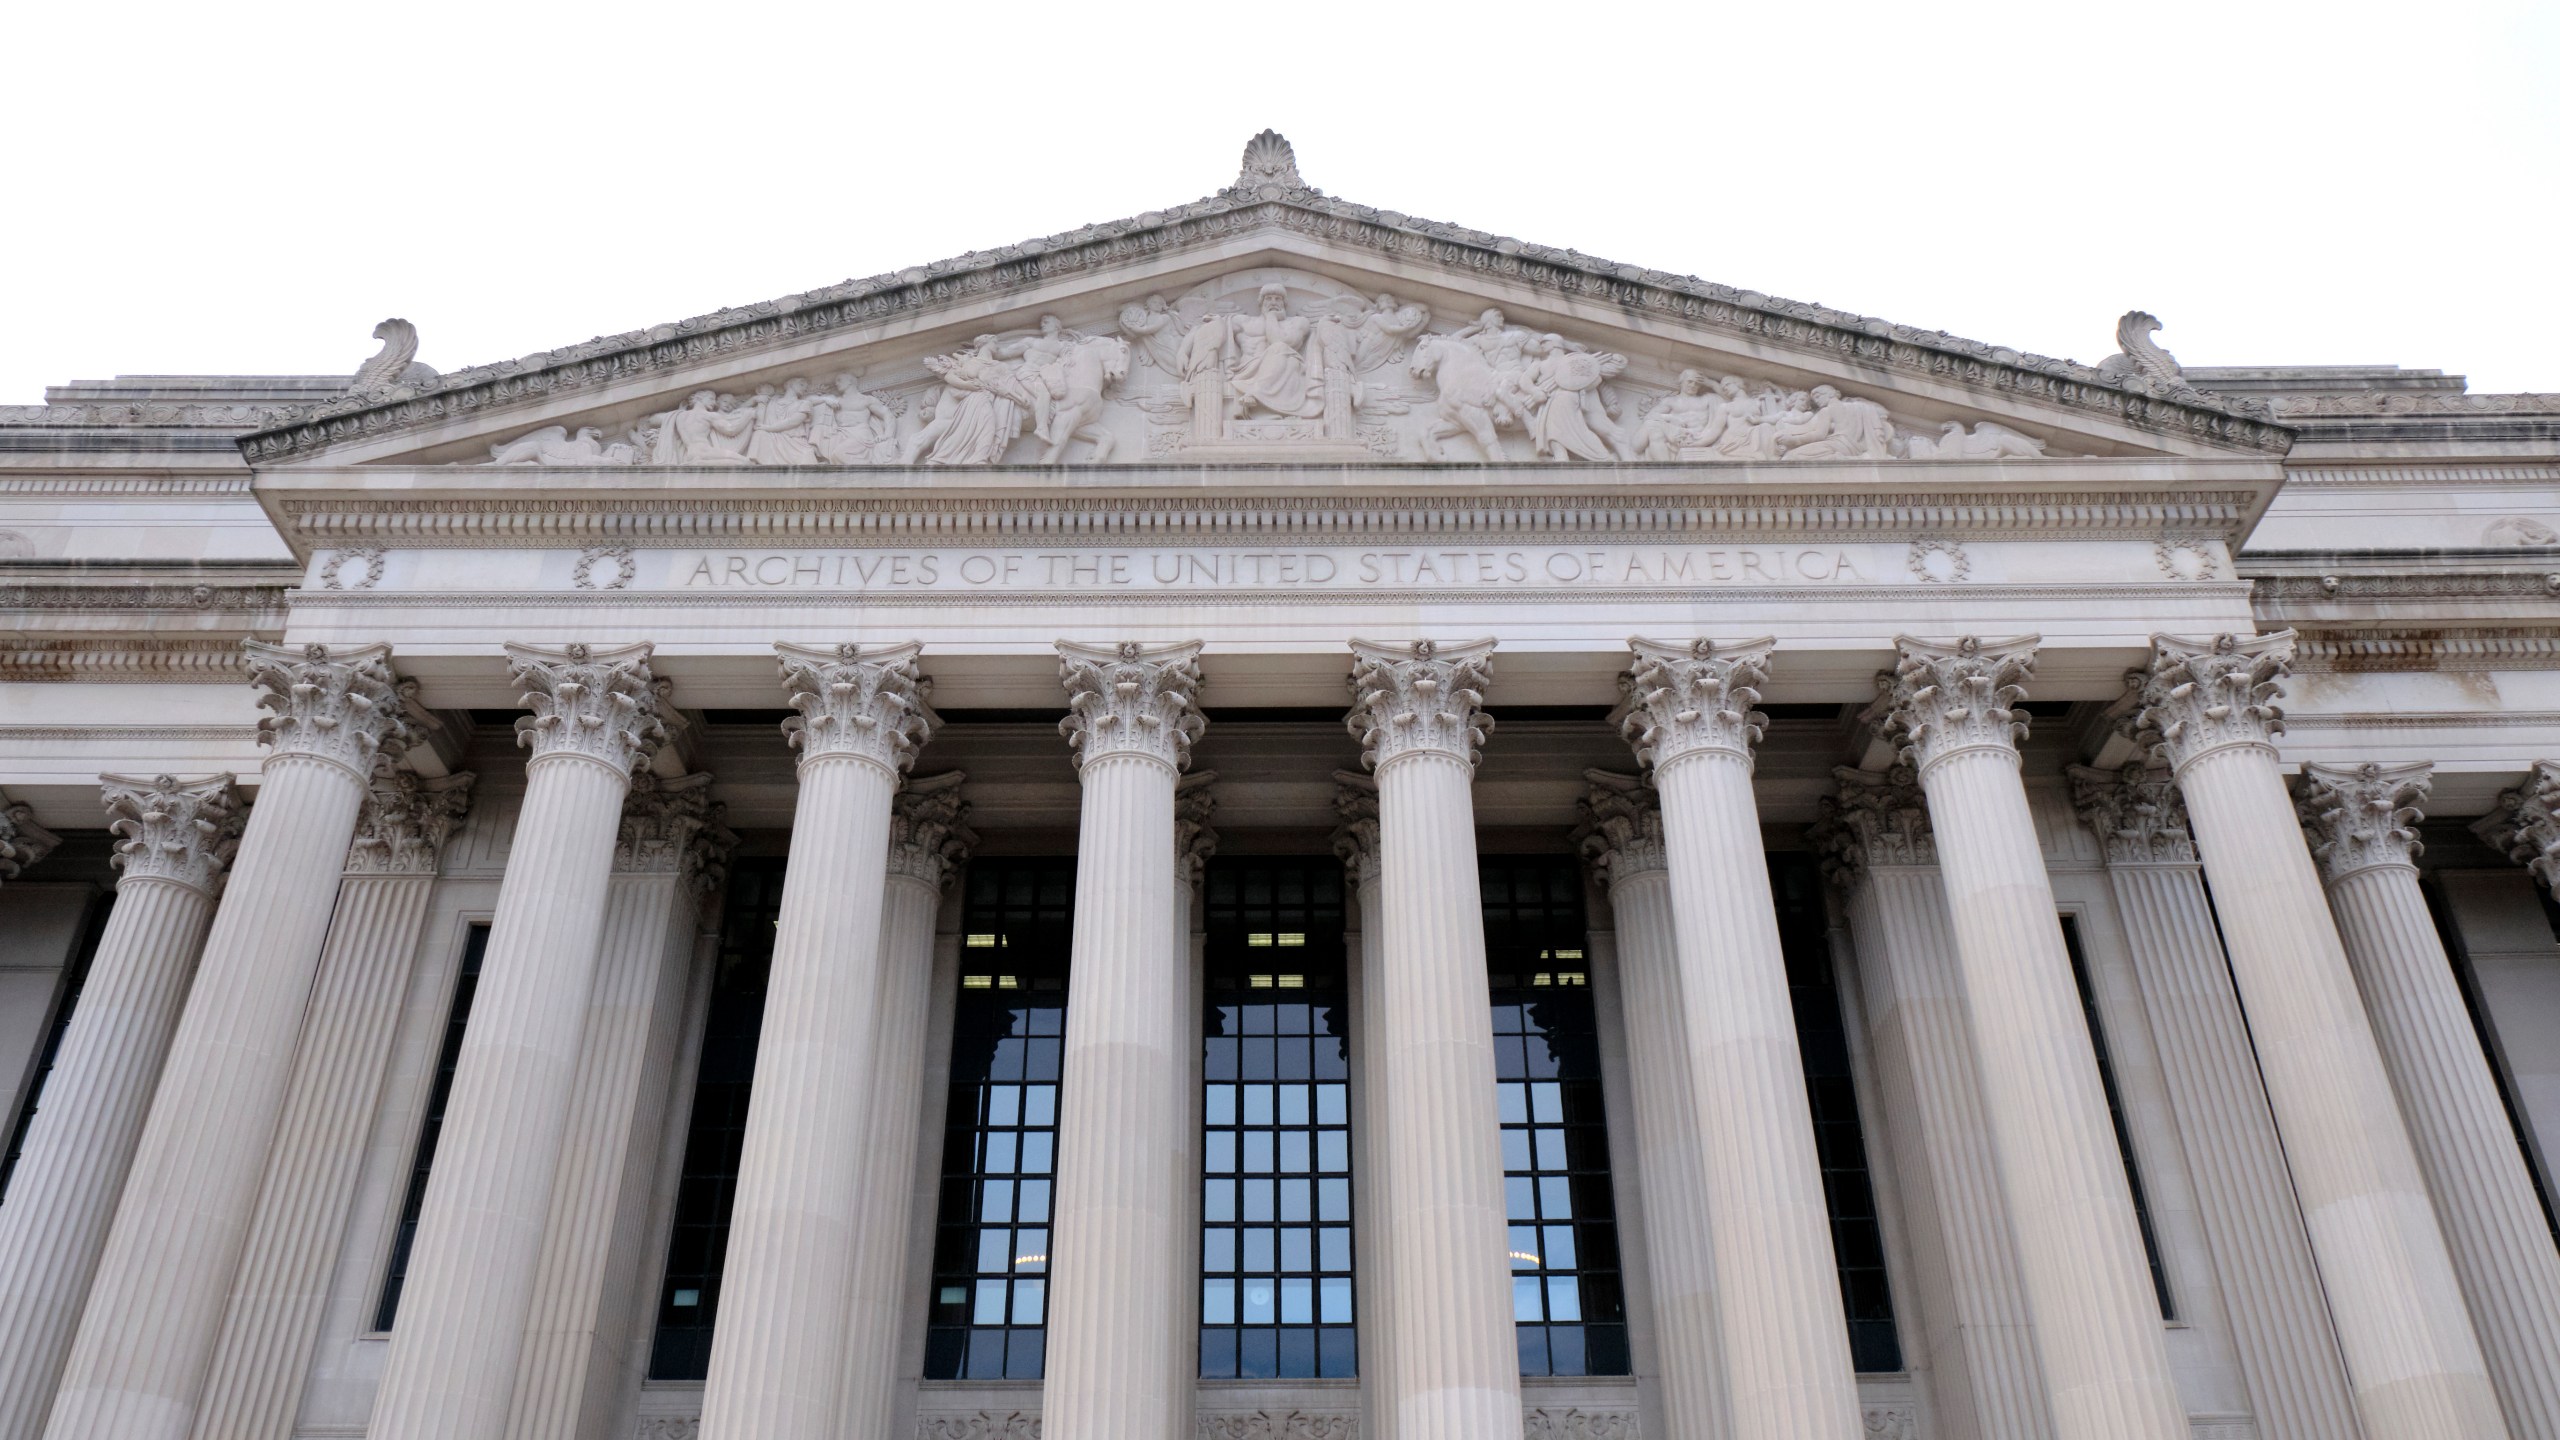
x: 777, y: 1354
x: 272, y: 1323
x: 576, y: 1367
x: 1972, y: 1304
x: 174, y: 840
x: 1622, y: 837
x: 1452, y: 1364
x: 455, y: 1349
x: 1355, y: 844
x: 1116, y: 1252
x: 2358, y: 819
x: 929, y: 840
x: 2410, y: 1351
x: 2244, y: 1194
x: 23, y: 842
x: 2097, y: 1318
x: 155, y: 1309
x: 1777, y: 1286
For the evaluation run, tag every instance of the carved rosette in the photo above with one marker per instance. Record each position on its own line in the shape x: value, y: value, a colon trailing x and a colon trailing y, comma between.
x: 869, y: 705
x: 599, y: 705
x: 673, y: 827
x: 168, y: 829
x: 1872, y: 819
x: 1621, y: 830
x: 929, y: 835
x: 2205, y: 695
x: 23, y: 842
x: 2360, y: 816
x: 345, y: 708
x: 1693, y: 698
x: 405, y: 821
x: 1194, y: 840
x: 2136, y: 812
x: 1131, y: 699
x: 1942, y: 700
x: 1355, y: 838
x: 1420, y: 699
x: 2525, y: 826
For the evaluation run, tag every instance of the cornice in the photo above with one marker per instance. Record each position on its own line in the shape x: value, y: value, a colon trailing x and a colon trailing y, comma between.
x: 124, y: 486
x: 255, y: 606
x: 922, y: 292
x: 2428, y: 402
x: 108, y: 660
x: 2352, y: 652
x: 2327, y: 476
x: 2437, y: 585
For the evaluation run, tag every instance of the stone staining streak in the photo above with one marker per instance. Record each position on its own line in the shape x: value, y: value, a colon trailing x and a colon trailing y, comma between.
x: 2210, y: 706
x: 23, y: 842
x: 2361, y: 823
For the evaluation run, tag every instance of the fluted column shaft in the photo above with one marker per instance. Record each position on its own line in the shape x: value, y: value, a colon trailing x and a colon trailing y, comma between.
x: 1115, y: 1254
x: 1453, y: 1372
x: 2411, y: 1354
x: 254, y: 1389
x: 1624, y: 837
x: 2466, y: 1146
x: 1355, y: 841
x: 155, y: 1309
x: 472, y: 1271
x: 62, y: 1199
x: 929, y: 841
x: 777, y: 1356
x: 2096, y: 1315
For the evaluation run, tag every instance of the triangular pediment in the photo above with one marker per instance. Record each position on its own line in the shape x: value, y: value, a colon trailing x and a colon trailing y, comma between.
x: 1271, y: 323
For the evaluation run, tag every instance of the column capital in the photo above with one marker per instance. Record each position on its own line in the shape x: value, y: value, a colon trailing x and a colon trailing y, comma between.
x: 23, y: 842
x: 405, y: 821
x: 2207, y: 695
x: 1131, y: 699
x: 673, y: 827
x: 1355, y: 838
x: 1621, y: 830
x: 1424, y: 698
x: 1194, y: 839
x: 929, y: 835
x: 172, y: 829
x: 2525, y: 826
x: 599, y: 705
x: 1872, y: 818
x: 2136, y: 812
x: 1693, y: 697
x: 2360, y: 816
x: 1945, y: 699
x: 863, y: 704
x: 344, y: 707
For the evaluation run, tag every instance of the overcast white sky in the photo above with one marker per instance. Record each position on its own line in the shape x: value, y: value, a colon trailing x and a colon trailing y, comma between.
x: 248, y: 188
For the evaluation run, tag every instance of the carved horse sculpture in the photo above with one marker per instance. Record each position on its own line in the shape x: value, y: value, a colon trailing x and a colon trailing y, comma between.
x: 1470, y: 395
x: 1094, y: 363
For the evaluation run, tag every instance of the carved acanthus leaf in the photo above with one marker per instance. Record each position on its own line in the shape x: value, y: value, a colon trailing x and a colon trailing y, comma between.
x: 405, y: 822
x: 1355, y: 838
x: 673, y: 827
x: 1872, y: 819
x: 1621, y: 830
x: 1694, y: 698
x: 2360, y: 816
x: 23, y: 842
x: 2205, y: 695
x: 1420, y: 699
x: 171, y: 829
x: 1942, y: 700
x: 1131, y: 699
x: 867, y: 704
x: 929, y: 834
x: 343, y: 708
x: 2525, y: 825
x: 1195, y: 804
x: 2136, y: 812
x: 598, y: 704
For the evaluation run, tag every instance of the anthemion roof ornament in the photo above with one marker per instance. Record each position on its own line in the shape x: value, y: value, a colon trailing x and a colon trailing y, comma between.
x: 1270, y: 168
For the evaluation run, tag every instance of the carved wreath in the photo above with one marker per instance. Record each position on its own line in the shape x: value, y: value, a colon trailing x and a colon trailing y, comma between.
x: 2183, y: 559
x: 333, y: 572
x: 625, y: 570
x: 1958, y: 564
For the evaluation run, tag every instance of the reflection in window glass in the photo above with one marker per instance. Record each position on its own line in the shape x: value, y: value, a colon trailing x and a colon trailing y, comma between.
x: 989, y: 1307
x: 1566, y: 1300
x: 1276, y: 1297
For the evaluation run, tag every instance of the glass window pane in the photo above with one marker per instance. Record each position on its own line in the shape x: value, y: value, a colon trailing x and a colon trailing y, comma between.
x: 1027, y: 1297
x: 1261, y: 1250
x: 1218, y: 1300
x: 989, y: 1309
x: 1524, y: 1298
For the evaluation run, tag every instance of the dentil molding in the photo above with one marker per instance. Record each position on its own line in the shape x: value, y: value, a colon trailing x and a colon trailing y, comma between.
x: 1420, y: 699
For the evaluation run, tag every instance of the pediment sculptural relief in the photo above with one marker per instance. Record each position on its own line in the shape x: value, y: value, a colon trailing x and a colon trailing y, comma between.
x: 1266, y: 364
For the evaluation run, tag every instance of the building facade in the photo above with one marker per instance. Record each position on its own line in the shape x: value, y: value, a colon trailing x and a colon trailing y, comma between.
x: 1276, y: 821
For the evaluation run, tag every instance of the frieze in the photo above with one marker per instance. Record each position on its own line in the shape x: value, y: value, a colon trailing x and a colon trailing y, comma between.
x: 110, y: 660
x: 2303, y: 407
x: 2353, y: 652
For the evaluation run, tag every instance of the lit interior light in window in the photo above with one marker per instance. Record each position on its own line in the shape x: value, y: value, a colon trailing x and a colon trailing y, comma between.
x: 1559, y: 954
x: 1259, y: 982
x: 1293, y: 982
x: 687, y: 1298
x: 1261, y: 941
x: 982, y: 942
x: 955, y: 1294
x: 1573, y: 977
x: 1008, y: 982
x: 1292, y: 941
x: 977, y: 982
x: 1542, y: 979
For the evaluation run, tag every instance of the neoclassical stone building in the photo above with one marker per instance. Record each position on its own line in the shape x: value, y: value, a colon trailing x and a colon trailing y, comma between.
x: 802, y: 874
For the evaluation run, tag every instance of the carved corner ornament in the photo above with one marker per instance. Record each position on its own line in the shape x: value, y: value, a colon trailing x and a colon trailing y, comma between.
x: 2360, y: 816
x: 342, y: 707
x: 1194, y: 838
x: 1424, y: 698
x: 23, y: 842
x: 865, y: 704
x: 405, y: 822
x: 183, y: 831
x: 2208, y: 695
x: 929, y: 834
x: 1693, y: 697
x: 2525, y: 826
x: 595, y: 704
x: 1942, y: 700
x: 1131, y: 699
x: 1621, y: 830
x: 674, y: 827
x: 1355, y: 833
x: 2136, y: 812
